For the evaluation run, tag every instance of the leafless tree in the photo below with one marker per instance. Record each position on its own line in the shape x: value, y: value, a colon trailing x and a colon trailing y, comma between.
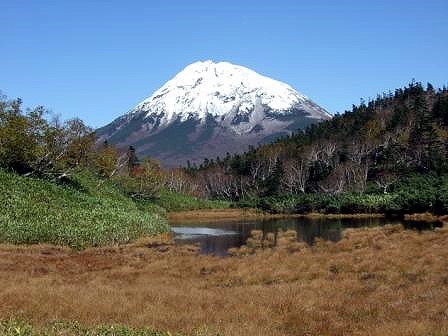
x: 179, y: 181
x: 385, y: 180
x: 356, y: 175
x: 296, y: 175
x: 358, y: 169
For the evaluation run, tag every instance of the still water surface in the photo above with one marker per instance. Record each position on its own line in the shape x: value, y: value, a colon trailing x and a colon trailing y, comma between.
x: 216, y: 237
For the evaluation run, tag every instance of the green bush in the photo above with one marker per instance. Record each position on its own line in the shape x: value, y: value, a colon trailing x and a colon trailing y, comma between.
x: 441, y: 206
x: 415, y: 193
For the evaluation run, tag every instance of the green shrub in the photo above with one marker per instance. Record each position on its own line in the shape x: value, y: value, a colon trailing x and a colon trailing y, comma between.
x: 441, y: 206
x: 415, y: 193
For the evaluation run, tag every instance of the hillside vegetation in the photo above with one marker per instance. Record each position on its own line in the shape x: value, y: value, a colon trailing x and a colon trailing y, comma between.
x: 77, y: 214
x: 388, y: 155
x: 57, y: 185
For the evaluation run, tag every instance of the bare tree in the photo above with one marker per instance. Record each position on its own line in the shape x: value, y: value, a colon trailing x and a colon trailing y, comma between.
x: 358, y: 169
x: 356, y: 175
x: 256, y: 174
x: 296, y: 175
x: 385, y: 180
x: 218, y: 183
x: 180, y: 181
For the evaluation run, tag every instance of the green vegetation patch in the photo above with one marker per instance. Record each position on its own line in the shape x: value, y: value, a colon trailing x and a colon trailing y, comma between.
x: 80, y: 213
x: 410, y: 194
x: 173, y: 201
x: 20, y: 328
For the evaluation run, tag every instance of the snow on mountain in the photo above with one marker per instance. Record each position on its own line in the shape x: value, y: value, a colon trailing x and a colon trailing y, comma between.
x: 208, y: 88
x: 211, y: 108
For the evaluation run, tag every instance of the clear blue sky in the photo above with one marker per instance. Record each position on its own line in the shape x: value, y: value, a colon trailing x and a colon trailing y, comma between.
x: 97, y: 59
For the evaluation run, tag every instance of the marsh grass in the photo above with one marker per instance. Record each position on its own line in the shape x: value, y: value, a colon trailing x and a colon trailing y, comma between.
x: 77, y: 214
x: 216, y: 215
x: 239, y: 214
x: 375, y: 281
x: 423, y: 217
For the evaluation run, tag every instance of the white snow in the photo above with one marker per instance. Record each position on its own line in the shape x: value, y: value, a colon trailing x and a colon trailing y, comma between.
x: 217, y: 89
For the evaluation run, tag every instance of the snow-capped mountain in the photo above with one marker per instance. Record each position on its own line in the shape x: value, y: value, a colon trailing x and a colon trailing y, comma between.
x: 209, y: 109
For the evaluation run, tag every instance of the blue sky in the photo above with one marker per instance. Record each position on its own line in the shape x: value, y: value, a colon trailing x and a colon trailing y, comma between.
x: 97, y: 59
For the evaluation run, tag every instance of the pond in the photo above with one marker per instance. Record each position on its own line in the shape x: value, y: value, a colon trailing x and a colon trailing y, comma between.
x: 216, y: 237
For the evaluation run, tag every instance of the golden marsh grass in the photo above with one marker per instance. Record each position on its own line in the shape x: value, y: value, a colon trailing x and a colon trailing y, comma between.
x: 375, y: 281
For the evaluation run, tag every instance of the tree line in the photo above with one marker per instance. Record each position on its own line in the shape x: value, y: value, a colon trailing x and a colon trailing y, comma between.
x: 369, y: 147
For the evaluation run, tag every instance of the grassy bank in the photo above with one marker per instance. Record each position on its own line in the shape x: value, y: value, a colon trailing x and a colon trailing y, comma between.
x: 77, y: 213
x: 375, y: 281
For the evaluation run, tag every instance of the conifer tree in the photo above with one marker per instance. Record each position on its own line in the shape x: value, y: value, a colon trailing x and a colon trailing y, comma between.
x: 132, y: 160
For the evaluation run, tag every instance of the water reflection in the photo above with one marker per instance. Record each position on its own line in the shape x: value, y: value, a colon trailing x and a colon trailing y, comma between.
x: 217, y: 237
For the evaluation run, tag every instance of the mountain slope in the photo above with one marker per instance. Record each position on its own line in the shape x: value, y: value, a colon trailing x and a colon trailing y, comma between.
x: 209, y: 109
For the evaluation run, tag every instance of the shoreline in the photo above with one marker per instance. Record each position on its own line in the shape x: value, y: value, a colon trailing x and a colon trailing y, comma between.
x: 244, y: 214
x: 205, y: 215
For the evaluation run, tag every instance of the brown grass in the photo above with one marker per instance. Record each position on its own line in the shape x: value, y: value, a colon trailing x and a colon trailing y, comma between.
x: 336, y: 216
x: 424, y: 217
x: 236, y: 214
x: 380, y: 281
x: 215, y: 215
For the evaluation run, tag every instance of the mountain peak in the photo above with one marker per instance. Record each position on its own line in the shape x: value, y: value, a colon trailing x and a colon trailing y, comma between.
x: 208, y: 88
x: 209, y: 109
